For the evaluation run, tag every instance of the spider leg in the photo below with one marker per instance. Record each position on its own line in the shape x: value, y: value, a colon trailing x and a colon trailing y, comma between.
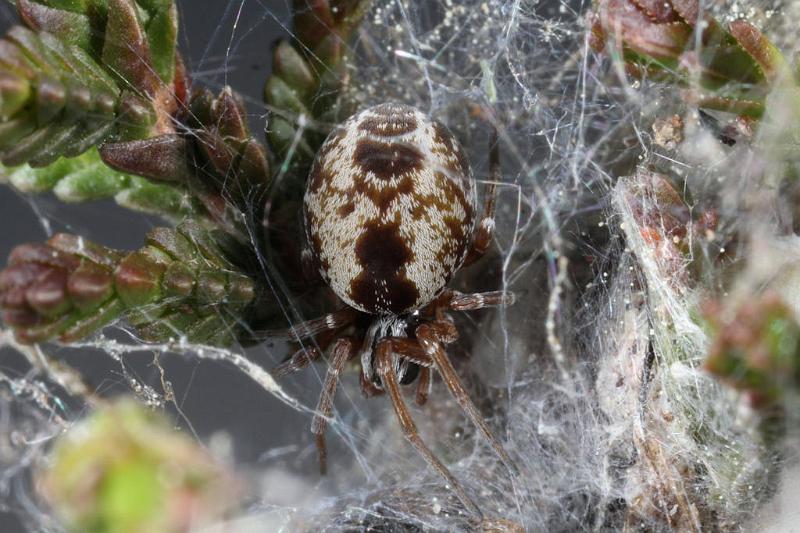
x: 341, y: 352
x: 412, y: 350
x: 482, y: 237
x: 310, y: 328
x: 309, y: 266
x: 389, y: 379
x: 443, y: 329
x: 423, y: 386
x: 305, y: 355
x: 408, y: 349
x: 368, y: 388
x: 426, y: 334
x: 458, y: 301
x: 298, y: 361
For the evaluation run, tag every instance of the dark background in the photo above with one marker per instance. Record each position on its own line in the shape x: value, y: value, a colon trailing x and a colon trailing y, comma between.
x: 223, y: 43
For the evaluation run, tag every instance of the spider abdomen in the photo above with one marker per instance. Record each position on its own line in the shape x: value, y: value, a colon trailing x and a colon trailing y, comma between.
x: 389, y: 209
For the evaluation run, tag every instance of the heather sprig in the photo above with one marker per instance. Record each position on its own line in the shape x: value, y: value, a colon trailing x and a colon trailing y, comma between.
x: 106, y: 74
x: 729, y: 68
x: 135, y: 39
x: 180, y: 285
x: 213, y: 155
x: 84, y: 73
x: 86, y: 178
x: 308, y: 74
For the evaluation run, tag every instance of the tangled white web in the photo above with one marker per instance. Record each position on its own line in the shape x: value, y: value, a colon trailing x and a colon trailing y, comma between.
x: 593, y: 379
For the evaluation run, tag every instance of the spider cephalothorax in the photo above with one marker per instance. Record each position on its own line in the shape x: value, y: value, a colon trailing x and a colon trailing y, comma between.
x: 390, y: 218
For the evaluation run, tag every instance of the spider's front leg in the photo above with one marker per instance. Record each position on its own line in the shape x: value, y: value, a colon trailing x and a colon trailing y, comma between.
x: 386, y: 371
x: 311, y: 328
x: 342, y: 351
x: 410, y: 349
x: 458, y: 301
x: 431, y: 338
x: 304, y: 356
x: 309, y: 266
x: 482, y: 237
x: 324, y: 328
x: 424, y: 383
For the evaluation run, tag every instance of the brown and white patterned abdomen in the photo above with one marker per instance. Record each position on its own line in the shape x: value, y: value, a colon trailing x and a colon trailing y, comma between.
x: 389, y: 209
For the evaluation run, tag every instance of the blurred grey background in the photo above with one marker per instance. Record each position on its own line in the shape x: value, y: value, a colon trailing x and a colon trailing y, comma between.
x: 223, y: 42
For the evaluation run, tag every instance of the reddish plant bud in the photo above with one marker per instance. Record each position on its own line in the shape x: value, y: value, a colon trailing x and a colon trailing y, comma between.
x: 126, y: 51
x: 48, y: 293
x: 179, y: 280
x: 688, y: 10
x: 290, y: 66
x: 658, y: 11
x: 162, y: 158
x: 18, y: 276
x: 43, y: 254
x: 78, y: 246
x: 20, y: 318
x: 89, y: 286
x: 229, y: 111
x: 636, y: 29
x: 211, y: 287
x: 313, y: 20
x: 138, y: 279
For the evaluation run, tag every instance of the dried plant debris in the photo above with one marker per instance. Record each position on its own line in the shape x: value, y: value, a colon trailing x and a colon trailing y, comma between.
x: 646, y: 162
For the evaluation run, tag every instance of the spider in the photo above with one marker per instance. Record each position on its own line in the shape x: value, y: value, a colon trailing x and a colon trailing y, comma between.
x: 389, y: 216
